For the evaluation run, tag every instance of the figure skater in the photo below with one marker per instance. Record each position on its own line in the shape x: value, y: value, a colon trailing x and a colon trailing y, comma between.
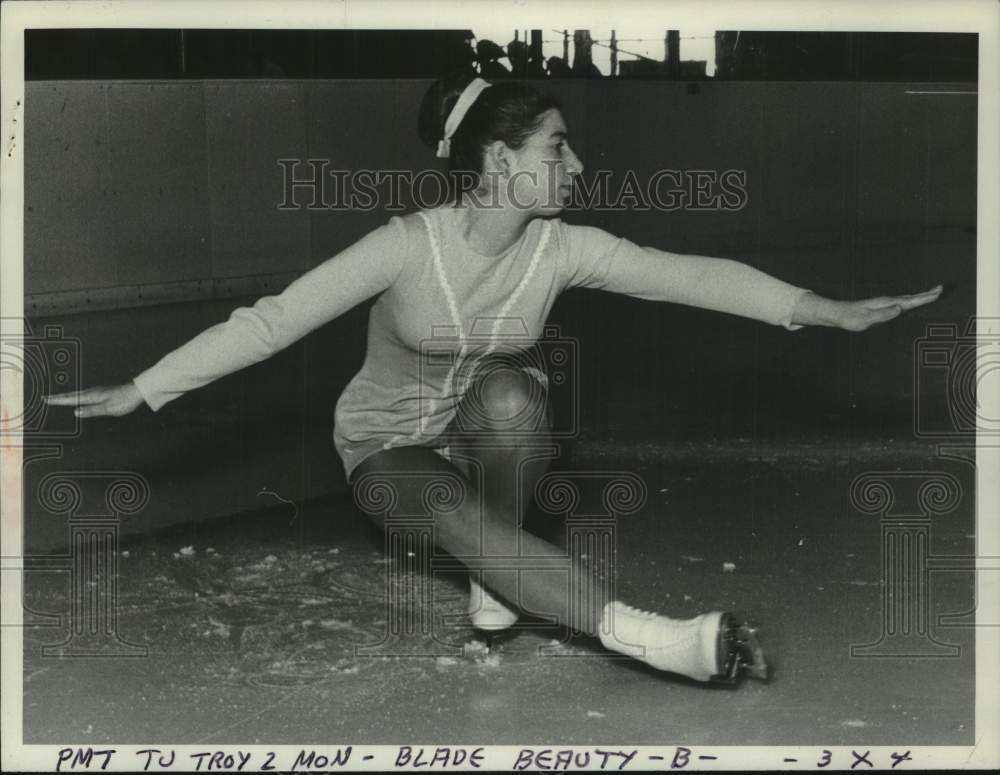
x: 496, y: 253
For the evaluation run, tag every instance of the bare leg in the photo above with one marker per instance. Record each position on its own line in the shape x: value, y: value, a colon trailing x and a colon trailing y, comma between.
x: 501, y: 439
x: 497, y: 462
x: 504, y: 426
x: 461, y: 532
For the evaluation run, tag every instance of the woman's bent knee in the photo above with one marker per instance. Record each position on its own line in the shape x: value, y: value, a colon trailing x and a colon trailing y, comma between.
x: 505, y: 398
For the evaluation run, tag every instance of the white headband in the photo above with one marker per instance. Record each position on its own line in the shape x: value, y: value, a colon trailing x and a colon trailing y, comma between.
x: 465, y: 100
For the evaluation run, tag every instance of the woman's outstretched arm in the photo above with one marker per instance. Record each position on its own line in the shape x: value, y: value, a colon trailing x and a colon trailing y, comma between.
x: 252, y: 334
x: 815, y: 310
x: 596, y: 259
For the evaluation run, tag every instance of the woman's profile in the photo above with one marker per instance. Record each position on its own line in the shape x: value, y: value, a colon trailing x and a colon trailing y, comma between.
x: 463, y: 276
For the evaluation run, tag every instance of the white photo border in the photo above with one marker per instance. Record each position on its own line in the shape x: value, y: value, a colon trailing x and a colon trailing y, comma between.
x: 980, y: 16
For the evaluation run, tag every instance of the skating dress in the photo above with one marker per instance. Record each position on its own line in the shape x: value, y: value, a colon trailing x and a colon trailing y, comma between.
x: 442, y: 308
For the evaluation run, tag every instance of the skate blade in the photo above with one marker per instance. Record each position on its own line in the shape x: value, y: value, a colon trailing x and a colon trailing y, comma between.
x: 493, y: 641
x: 743, y: 654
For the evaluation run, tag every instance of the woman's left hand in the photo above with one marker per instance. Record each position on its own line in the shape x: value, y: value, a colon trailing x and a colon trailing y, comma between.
x: 858, y: 315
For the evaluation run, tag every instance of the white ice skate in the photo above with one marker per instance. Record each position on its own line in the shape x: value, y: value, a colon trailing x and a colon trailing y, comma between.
x: 711, y: 647
x: 488, y: 613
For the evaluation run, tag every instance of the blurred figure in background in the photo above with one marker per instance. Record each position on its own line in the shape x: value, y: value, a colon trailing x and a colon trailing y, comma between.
x: 488, y: 54
x: 557, y: 68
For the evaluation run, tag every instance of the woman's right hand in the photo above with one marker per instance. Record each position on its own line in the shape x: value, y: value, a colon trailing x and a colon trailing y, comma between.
x: 113, y: 401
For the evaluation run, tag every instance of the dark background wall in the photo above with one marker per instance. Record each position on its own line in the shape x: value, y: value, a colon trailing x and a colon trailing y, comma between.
x: 170, y: 182
x: 140, y: 193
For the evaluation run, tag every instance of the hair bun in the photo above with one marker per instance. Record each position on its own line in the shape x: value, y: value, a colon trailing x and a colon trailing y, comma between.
x: 509, y: 111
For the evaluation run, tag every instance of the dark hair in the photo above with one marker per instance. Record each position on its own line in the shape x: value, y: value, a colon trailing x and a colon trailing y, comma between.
x: 509, y: 111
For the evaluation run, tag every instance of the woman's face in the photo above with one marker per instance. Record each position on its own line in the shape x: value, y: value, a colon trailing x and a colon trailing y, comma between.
x: 542, y: 170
